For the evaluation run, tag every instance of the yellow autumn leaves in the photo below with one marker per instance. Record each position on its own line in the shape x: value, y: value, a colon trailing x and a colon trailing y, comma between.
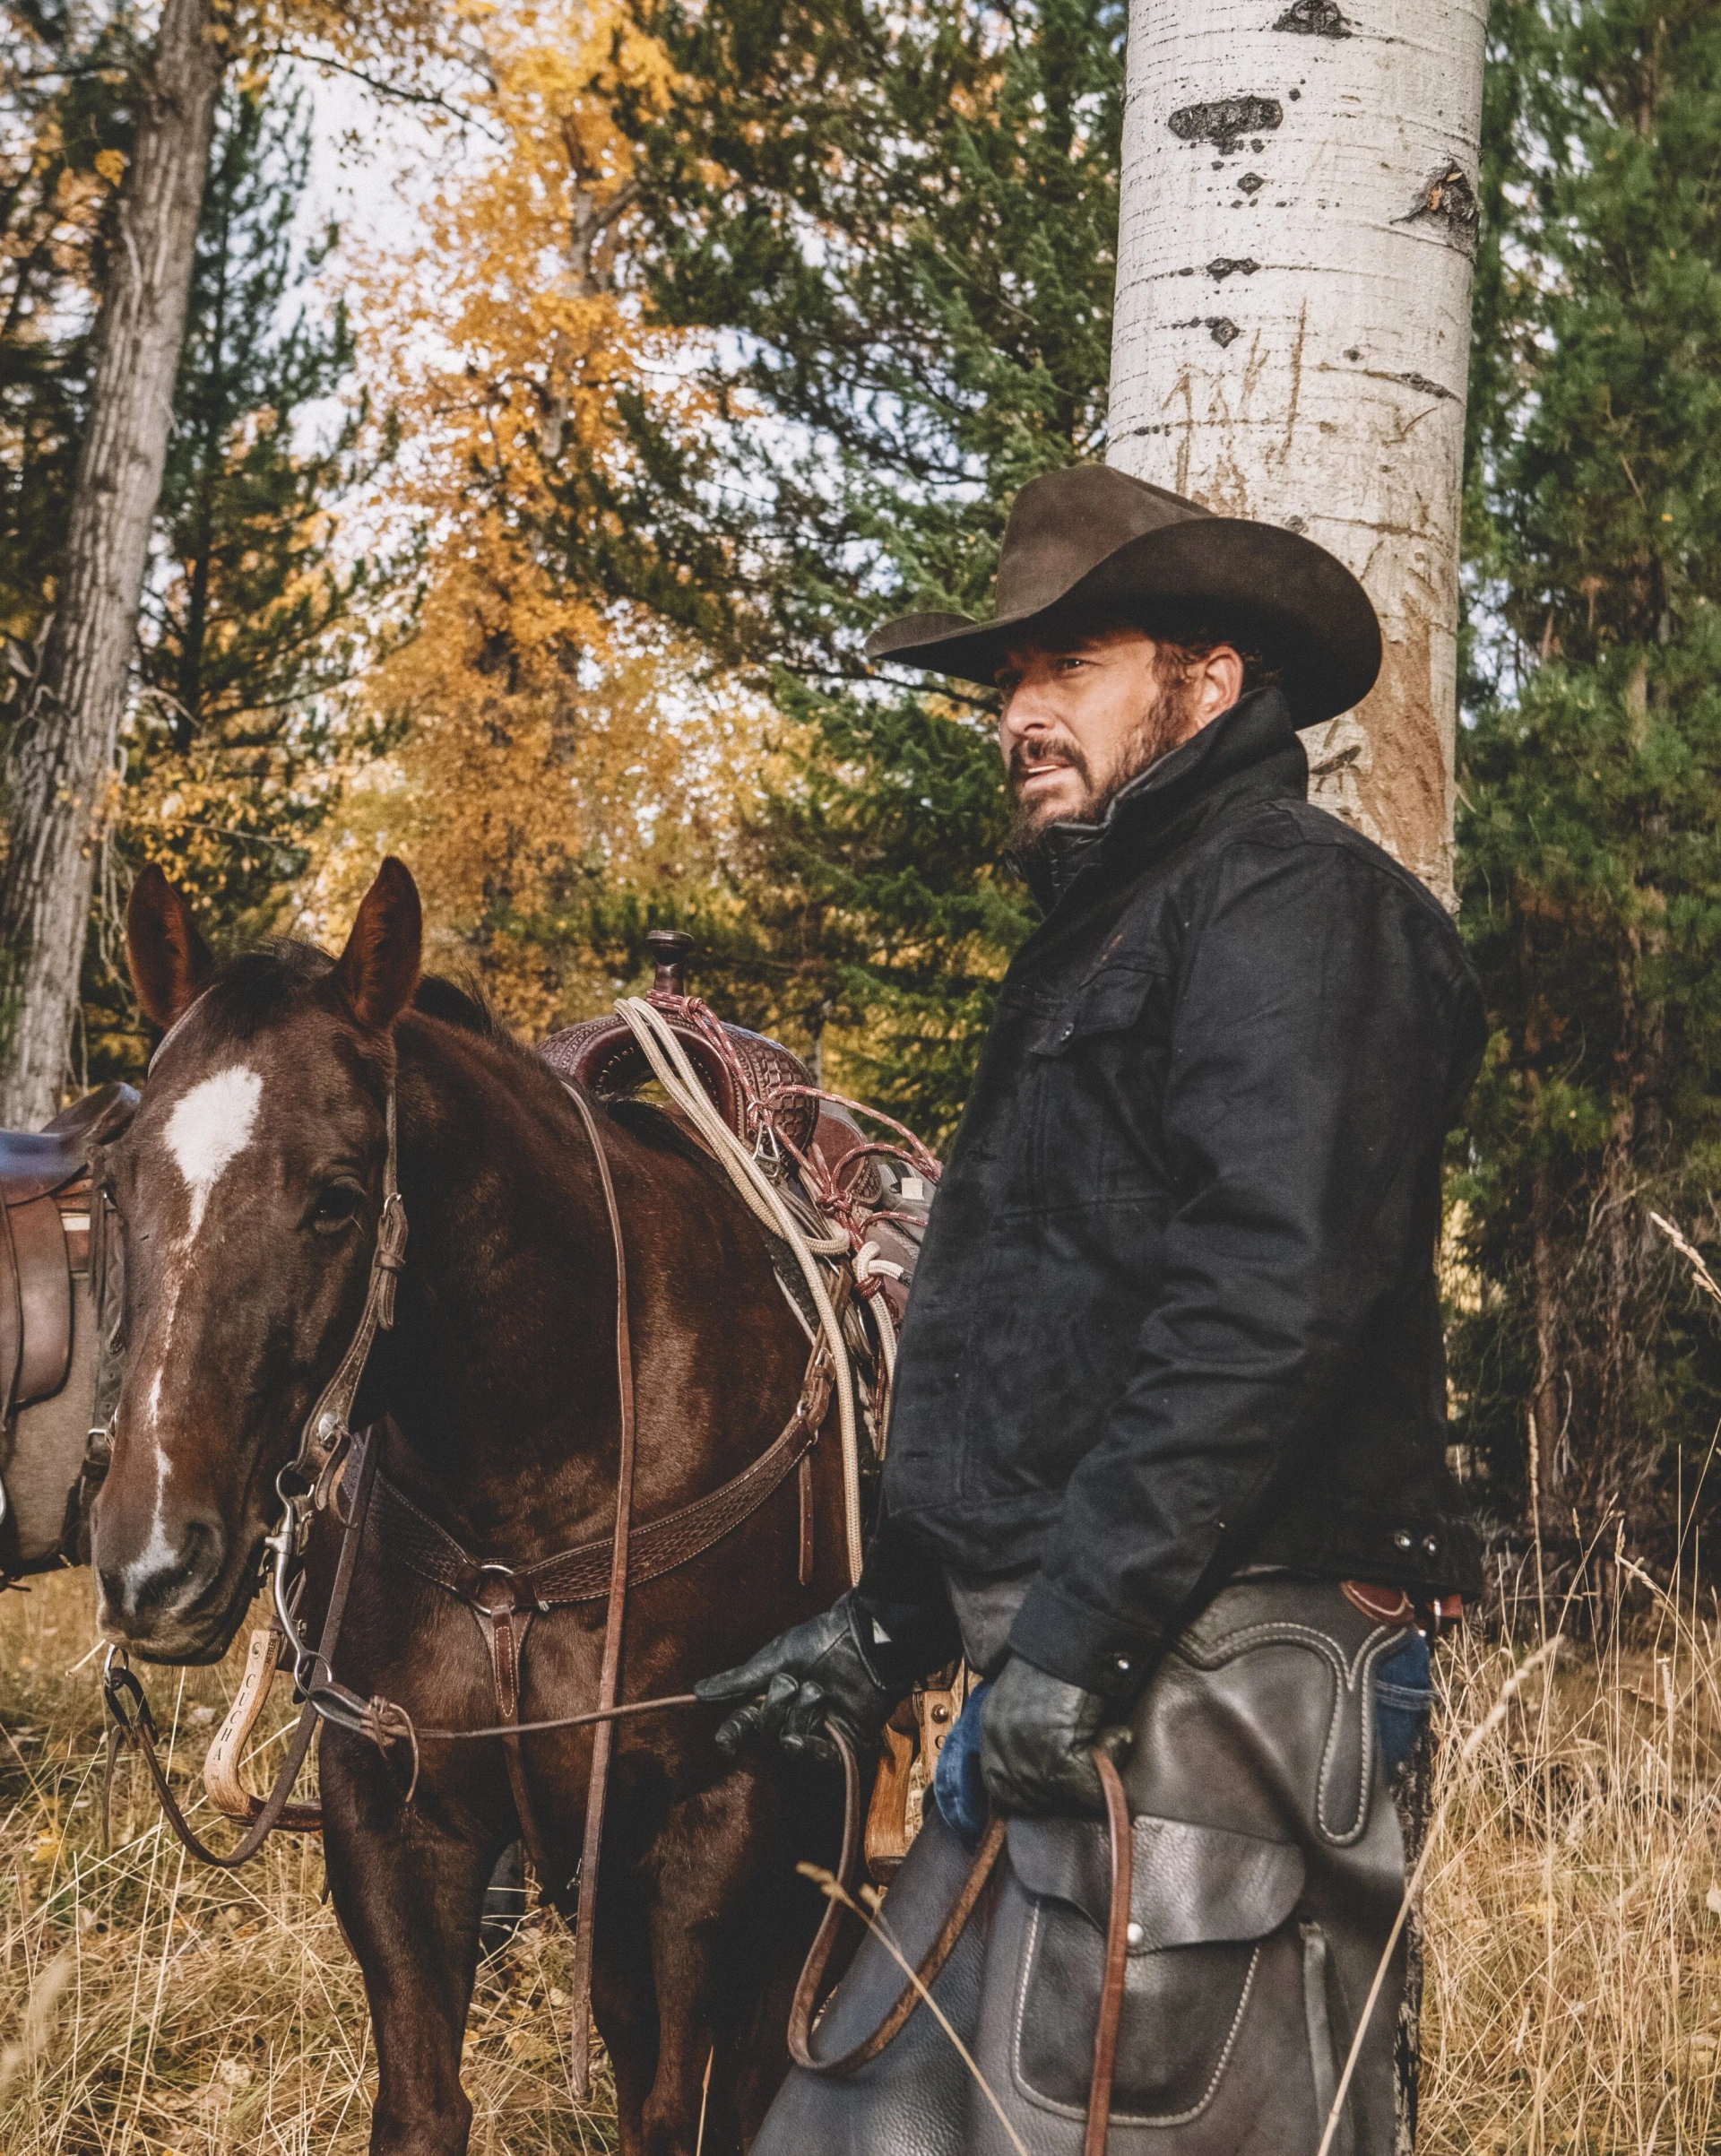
x: 551, y: 745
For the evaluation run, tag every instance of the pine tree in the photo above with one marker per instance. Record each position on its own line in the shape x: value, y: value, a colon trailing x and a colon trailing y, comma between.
x: 1590, y: 779
x: 902, y: 222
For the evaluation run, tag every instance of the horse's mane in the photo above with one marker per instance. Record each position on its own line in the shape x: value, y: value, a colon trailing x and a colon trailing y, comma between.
x: 244, y: 993
x: 438, y: 997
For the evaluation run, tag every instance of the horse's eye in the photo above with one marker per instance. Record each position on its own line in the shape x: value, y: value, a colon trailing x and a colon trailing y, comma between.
x: 336, y: 1204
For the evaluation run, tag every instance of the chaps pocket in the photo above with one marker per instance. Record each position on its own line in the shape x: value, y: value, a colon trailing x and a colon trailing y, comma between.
x: 1204, y: 1912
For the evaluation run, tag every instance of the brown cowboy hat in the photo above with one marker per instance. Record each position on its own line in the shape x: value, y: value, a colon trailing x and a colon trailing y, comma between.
x: 1091, y: 542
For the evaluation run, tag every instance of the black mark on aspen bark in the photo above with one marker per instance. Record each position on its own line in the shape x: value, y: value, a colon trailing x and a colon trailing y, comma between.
x: 1225, y: 265
x: 1251, y: 183
x: 1352, y: 354
x: 1226, y: 121
x: 1448, y: 198
x: 1423, y: 383
x: 1314, y: 19
x: 1217, y: 327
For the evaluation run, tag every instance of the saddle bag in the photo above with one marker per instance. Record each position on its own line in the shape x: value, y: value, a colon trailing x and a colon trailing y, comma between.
x: 1267, y: 1870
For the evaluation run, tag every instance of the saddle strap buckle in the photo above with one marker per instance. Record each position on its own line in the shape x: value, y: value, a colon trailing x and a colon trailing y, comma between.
x: 514, y: 1586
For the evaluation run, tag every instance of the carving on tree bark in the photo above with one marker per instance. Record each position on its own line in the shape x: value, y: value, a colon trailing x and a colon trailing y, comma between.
x: 62, y: 758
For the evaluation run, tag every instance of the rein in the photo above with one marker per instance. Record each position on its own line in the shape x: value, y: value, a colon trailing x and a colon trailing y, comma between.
x: 134, y: 1728
x: 813, y: 1989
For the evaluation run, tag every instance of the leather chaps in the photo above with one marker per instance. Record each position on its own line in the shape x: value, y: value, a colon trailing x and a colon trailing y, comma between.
x: 1269, y: 1871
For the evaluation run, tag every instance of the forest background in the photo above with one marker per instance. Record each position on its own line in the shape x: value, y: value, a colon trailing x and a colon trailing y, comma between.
x: 533, y: 529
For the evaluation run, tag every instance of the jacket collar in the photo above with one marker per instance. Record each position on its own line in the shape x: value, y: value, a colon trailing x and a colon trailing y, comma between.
x: 1250, y: 752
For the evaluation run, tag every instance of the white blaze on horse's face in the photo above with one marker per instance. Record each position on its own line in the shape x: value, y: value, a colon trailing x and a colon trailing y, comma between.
x: 210, y: 1126
x: 208, y: 1130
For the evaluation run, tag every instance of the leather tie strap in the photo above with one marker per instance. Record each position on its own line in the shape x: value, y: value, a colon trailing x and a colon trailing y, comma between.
x: 603, y: 1735
x: 1117, y: 1955
x: 811, y: 1990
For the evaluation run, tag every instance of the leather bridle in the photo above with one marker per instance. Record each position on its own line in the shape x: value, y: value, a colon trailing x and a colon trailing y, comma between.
x: 304, y: 1486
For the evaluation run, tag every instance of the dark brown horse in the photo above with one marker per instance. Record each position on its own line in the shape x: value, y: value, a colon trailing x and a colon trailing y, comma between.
x: 250, y: 1185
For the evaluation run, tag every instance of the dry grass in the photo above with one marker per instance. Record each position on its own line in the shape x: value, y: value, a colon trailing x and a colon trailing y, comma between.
x: 1573, y: 1899
x: 149, y: 2005
x: 1573, y: 1909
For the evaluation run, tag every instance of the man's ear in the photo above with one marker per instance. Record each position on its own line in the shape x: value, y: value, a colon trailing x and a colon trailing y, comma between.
x: 377, y: 972
x: 1218, y: 683
x: 170, y: 961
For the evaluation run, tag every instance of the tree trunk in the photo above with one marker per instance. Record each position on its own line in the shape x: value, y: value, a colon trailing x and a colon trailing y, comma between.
x: 1297, y: 229
x: 63, y: 755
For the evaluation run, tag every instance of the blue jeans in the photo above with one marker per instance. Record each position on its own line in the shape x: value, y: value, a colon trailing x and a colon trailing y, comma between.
x: 1403, y: 1697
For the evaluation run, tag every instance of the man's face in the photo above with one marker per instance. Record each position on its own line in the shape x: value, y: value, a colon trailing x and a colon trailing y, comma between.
x: 1083, y: 716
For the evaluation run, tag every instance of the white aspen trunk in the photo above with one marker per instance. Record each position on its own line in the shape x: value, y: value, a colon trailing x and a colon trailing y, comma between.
x: 62, y: 758
x: 1298, y: 224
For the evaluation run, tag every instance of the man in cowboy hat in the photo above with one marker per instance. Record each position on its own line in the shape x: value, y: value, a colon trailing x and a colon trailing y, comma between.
x: 1166, y: 1456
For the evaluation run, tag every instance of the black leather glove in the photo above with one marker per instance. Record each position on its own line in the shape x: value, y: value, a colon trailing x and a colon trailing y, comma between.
x: 834, y: 1667
x: 1037, y: 1736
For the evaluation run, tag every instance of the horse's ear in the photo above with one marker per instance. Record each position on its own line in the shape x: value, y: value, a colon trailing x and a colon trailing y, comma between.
x: 168, y: 959
x: 379, y: 968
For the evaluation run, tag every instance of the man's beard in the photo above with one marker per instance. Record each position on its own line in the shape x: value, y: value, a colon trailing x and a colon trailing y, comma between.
x: 1162, y: 728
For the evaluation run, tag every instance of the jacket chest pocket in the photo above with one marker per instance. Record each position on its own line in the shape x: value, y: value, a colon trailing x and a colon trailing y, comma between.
x: 1096, y: 1070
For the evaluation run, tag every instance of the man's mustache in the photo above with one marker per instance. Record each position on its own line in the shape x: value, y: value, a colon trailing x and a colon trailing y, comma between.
x: 1042, y: 753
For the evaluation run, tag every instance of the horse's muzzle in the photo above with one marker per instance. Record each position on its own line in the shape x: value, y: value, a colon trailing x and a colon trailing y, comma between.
x: 166, y: 1602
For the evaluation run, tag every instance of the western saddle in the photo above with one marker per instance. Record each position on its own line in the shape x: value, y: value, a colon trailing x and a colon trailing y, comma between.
x: 44, y: 1244
x: 604, y: 1055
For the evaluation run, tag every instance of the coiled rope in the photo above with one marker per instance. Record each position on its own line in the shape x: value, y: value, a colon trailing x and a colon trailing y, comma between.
x: 676, y: 1075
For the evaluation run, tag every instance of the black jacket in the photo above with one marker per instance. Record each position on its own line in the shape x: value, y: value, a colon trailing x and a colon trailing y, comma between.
x: 1176, y: 1310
